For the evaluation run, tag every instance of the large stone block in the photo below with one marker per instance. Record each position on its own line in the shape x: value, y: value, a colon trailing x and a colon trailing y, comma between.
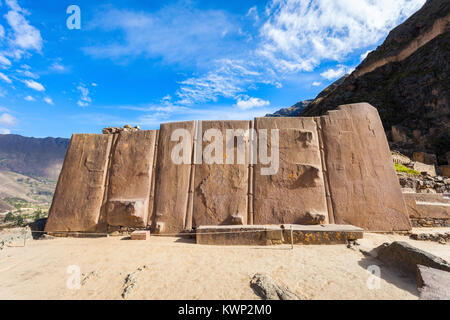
x: 277, y: 234
x: 364, y: 187
x: 130, y: 179
x: 172, y: 182
x: 221, y: 190
x: 297, y: 189
x: 81, y: 186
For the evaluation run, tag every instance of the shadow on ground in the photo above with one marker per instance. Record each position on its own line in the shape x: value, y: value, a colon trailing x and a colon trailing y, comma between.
x: 392, y: 275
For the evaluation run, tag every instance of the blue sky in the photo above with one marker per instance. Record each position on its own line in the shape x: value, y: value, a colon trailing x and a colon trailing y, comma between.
x: 147, y: 62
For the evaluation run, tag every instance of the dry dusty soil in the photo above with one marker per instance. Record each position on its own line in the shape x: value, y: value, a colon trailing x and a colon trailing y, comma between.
x: 172, y: 268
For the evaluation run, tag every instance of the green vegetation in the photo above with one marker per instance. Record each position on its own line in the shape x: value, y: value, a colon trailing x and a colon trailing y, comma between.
x: 17, y: 203
x: 17, y: 219
x: 402, y: 169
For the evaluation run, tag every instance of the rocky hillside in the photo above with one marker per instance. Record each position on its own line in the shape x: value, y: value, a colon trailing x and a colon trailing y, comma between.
x: 407, y: 80
x: 4, y: 206
x: 32, y: 156
x: 293, y: 111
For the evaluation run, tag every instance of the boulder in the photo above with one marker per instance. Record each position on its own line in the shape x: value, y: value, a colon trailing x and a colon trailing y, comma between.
x: 433, y: 284
x: 267, y: 289
x: 428, y: 169
x: 405, y: 257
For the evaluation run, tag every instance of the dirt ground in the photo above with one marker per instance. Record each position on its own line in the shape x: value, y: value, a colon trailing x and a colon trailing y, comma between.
x: 179, y: 269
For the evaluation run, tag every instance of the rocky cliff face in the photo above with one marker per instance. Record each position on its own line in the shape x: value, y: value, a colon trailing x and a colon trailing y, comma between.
x: 407, y: 80
x: 32, y: 156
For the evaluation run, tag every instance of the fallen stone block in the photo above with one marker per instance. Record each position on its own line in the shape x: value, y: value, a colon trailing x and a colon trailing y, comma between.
x: 322, y: 234
x: 267, y: 289
x: 405, y: 257
x: 140, y: 235
x: 433, y: 284
x: 277, y: 234
x: 429, y: 169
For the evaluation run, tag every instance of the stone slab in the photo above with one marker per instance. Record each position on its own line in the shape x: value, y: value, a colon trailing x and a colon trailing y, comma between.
x: 405, y: 257
x: 261, y: 235
x: 81, y: 186
x: 364, y: 187
x: 297, y: 189
x: 130, y: 178
x: 433, y: 284
x: 221, y: 190
x: 140, y: 235
x: 171, y: 183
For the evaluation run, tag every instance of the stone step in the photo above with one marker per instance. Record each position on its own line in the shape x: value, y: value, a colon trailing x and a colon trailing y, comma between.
x: 428, y: 197
x: 277, y: 234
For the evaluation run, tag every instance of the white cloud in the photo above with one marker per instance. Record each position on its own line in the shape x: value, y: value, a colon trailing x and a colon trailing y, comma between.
x: 5, y: 61
x: 25, y: 36
x: 253, y: 12
x: 5, y: 78
x: 7, y: 120
x: 84, y: 100
x: 227, y: 80
x: 28, y: 73
x: 316, y: 83
x: 332, y: 74
x: 34, y: 85
x: 59, y: 68
x: 251, y: 103
x: 179, y: 34
x: 49, y: 101
x: 4, y: 131
x: 94, y: 84
x: 300, y: 34
x: 365, y: 54
x: 29, y: 98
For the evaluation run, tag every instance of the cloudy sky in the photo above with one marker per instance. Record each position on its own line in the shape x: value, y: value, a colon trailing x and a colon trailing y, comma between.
x: 147, y: 62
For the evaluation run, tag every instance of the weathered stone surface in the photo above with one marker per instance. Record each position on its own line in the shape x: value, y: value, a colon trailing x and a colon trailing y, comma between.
x: 433, y: 284
x: 298, y: 186
x: 267, y: 289
x: 332, y: 169
x: 364, y: 188
x: 424, y: 157
x: 81, y: 186
x: 221, y: 190
x: 172, y: 183
x: 140, y: 235
x: 424, y: 206
x: 445, y: 170
x: 406, y: 257
x: 277, y: 234
x: 322, y: 235
x: 429, y: 169
x: 130, y: 178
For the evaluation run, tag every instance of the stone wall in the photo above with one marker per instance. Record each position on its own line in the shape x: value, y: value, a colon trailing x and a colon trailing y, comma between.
x: 332, y: 169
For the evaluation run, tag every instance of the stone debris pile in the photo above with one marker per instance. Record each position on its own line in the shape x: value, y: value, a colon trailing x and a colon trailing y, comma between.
x: 117, y: 130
